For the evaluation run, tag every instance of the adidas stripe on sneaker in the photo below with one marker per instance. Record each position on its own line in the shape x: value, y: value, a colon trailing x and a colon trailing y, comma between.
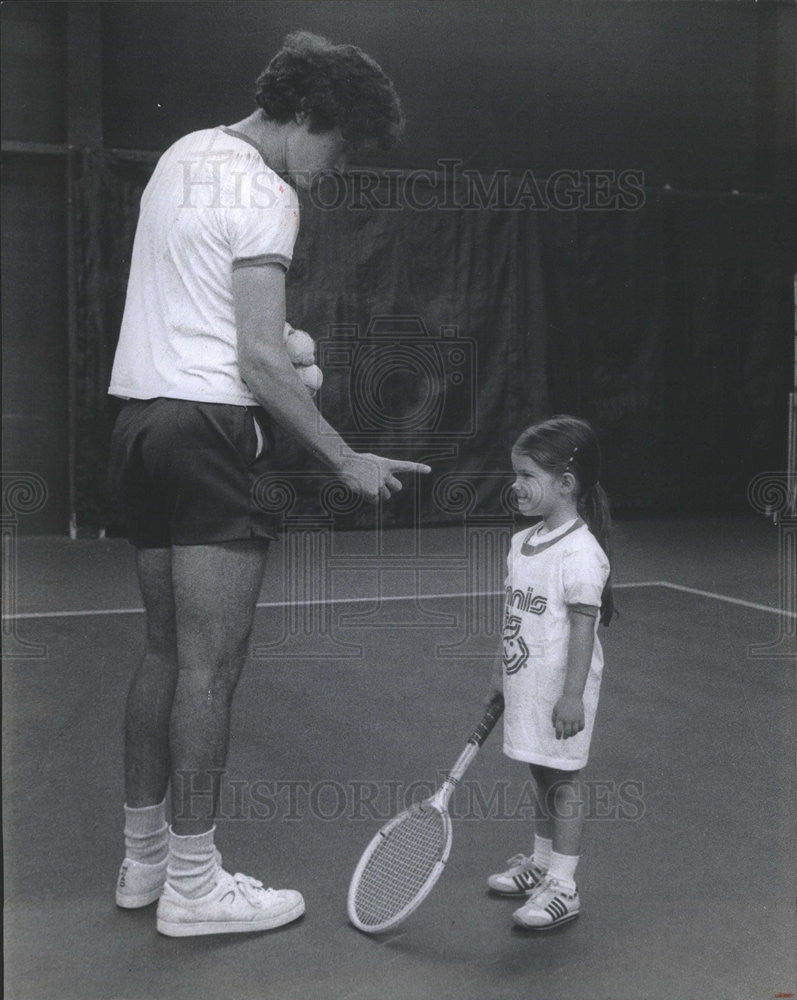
x: 521, y: 878
x: 548, y: 906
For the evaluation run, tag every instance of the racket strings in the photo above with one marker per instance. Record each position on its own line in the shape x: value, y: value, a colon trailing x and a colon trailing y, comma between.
x: 400, y: 866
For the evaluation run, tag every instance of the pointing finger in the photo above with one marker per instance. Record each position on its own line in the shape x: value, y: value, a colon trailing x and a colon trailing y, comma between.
x: 397, y: 466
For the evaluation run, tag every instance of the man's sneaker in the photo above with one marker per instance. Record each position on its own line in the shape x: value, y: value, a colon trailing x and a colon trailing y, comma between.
x: 549, y: 905
x: 519, y: 879
x: 139, y: 884
x: 236, y: 903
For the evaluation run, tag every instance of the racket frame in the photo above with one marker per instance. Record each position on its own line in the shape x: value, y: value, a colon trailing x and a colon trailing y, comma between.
x: 376, y: 843
x: 439, y: 802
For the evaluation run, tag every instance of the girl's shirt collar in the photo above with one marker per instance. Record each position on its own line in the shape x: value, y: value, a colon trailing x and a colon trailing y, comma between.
x: 538, y: 538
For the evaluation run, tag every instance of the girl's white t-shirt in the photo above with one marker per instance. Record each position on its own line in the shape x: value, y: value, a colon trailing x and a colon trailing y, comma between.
x: 211, y: 205
x: 547, y: 574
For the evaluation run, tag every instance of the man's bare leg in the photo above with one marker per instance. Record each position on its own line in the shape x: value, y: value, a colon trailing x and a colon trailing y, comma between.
x: 200, y: 603
x: 147, y: 758
x: 215, y: 595
x: 149, y: 701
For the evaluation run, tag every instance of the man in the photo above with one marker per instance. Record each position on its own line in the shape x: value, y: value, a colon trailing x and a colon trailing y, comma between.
x: 202, y: 364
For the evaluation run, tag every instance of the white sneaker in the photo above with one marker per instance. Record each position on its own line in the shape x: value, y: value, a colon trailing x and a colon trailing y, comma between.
x: 548, y: 906
x: 521, y: 878
x: 139, y: 884
x: 236, y: 903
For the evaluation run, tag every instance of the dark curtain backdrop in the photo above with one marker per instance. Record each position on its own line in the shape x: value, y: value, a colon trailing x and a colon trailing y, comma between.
x: 444, y: 331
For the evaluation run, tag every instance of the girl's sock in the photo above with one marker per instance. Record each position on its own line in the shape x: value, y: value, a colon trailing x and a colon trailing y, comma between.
x: 563, y: 869
x: 192, y: 863
x: 542, y: 852
x: 146, y: 834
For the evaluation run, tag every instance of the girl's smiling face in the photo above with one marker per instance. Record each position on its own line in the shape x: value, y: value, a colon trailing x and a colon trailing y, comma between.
x: 539, y: 493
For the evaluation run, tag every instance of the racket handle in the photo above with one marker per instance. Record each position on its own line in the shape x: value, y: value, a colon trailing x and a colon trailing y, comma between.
x: 494, y: 712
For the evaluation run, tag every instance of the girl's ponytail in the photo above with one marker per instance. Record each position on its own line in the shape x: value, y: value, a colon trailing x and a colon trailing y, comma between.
x: 594, y: 508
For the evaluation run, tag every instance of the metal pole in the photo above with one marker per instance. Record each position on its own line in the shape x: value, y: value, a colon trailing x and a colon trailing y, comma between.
x: 791, y: 461
x: 72, y: 357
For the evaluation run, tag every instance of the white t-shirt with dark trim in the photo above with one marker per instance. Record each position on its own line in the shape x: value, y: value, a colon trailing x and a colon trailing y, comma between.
x: 211, y: 205
x: 548, y: 575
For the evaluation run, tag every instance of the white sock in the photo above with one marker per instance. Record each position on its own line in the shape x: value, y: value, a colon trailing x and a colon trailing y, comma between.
x: 192, y: 863
x: 542, y: 852
x: 563, y: 869
x: 146, y: 834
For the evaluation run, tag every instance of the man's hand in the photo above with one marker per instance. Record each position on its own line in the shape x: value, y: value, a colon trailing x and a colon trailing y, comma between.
x: 374, y: 477
x: 568, y: 716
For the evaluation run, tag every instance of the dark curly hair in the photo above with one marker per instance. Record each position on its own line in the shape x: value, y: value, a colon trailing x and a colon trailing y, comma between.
x: 336, y: 85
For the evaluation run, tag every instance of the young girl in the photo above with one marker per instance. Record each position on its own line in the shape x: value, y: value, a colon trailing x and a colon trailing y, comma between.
x: 557, y: 590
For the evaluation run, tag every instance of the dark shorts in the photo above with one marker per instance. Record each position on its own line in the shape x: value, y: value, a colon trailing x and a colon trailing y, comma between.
x: 184, y: 472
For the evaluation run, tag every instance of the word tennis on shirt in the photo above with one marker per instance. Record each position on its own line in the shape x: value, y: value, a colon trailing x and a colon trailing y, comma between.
x: 528, y: 601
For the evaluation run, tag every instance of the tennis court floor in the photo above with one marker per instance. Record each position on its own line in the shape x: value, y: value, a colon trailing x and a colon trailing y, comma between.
x: 354, y: 705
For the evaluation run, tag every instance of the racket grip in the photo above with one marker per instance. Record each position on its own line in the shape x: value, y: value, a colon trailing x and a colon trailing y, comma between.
x: 494, y: 712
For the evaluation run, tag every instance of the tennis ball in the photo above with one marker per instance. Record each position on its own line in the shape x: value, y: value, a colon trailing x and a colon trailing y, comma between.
x: 300, y: 347
x: 312, y: 377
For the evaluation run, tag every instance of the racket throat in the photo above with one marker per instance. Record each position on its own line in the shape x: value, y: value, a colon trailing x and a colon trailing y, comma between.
x: 443, y: 795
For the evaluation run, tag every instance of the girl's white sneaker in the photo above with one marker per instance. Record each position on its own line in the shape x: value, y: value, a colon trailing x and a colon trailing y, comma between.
x: 549, y: 905
x: 521, y: 878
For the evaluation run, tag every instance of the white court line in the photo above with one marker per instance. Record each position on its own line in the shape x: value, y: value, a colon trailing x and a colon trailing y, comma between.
x: 26, y: 615
x: 722, y: 597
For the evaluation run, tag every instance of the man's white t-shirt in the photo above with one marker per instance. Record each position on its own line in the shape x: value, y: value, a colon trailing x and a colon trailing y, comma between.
x: 211, y: 205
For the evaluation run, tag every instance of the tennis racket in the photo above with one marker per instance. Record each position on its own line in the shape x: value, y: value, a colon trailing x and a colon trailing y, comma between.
x: 406, y: 857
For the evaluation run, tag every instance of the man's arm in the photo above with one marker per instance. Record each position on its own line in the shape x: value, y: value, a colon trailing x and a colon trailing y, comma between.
x: 259, y: 300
